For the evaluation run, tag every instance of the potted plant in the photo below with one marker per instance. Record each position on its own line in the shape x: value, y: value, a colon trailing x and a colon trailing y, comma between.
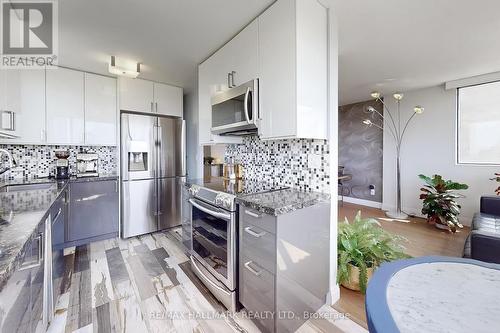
x: 497, y: 178
x: 362, y: 246
x: 439, y: 202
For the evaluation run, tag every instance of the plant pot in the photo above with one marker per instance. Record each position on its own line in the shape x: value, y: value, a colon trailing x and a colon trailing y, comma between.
x: 353, y: 282
x: 441, y: 226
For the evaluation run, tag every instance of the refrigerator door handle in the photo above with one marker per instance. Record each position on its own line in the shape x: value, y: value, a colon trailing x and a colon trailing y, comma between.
x: 160, y: 145
x: 183, y: 148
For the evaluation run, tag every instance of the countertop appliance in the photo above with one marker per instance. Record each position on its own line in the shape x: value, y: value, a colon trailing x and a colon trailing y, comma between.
x: 87, y: 164
x: 153, y: 171
x: 236, y: 111
x: 62, y: 164
x: 233, y: 171
x: 214, y: 229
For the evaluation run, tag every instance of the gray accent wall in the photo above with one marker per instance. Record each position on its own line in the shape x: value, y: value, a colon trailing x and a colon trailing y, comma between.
x: 361, y: 150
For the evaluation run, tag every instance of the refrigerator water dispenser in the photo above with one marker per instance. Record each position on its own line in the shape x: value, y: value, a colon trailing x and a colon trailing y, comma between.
x: 137, y: 161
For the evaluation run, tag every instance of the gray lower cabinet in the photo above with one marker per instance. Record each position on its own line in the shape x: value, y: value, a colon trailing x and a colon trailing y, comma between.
x: 186, y: 218
x: 93, y: 211
x: 21, y: 299
x: 59, y: 213
x: 284, y: 265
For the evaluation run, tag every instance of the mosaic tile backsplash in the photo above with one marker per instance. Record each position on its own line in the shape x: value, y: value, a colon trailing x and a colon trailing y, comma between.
x: 39, y: 161
x: 284, y: 162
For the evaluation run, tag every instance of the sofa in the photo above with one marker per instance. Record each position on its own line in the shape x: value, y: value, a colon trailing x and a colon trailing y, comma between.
x: 483, y: 242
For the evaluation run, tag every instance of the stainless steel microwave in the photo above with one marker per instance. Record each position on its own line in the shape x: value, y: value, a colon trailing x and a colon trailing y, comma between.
x: 236, y: 110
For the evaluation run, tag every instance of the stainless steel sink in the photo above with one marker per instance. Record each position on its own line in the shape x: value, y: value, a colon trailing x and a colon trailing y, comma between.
x: 26, y: 187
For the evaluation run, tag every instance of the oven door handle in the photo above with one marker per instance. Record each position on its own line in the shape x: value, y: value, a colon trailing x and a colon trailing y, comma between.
x: 207, y: 279
x: 209, y: 211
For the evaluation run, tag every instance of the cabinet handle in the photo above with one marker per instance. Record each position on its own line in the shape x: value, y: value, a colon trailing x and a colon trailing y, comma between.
x: 12, y: 123
x: 245, y: 105
x: 249, y: 230
x: 232, y: 79
x: 257, y: 216
x: 251, y: 269
x: 116, y: 186
x: 229, y: 80
x: 152, y: 107
x: 156, y: 107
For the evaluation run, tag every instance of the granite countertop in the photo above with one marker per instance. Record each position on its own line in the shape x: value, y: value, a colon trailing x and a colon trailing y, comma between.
x: 21, y: 212
x: 282, y: 201
x: 271, y: 199
x: 236, y: 187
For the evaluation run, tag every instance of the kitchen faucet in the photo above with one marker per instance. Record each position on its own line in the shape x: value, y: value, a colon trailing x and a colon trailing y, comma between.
x: 11, y: 160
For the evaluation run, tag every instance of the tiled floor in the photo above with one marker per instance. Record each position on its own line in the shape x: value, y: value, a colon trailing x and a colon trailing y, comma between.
x: 145, y: 284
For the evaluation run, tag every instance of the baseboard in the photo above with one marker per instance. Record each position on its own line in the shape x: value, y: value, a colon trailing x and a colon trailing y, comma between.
x: 465, y: 220
x: 333, y: 295
x: 363, y: 202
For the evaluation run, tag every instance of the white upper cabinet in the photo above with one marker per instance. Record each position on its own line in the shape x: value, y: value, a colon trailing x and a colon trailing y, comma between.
x: 243, y: 52
x: 293, y: 70
x: 168, y: 100
x: 65, y: 106
x: 22, y: 105
x: 151, y: 97
x: 235, y: 63
x: 100, y: 110
x: 136, y: 95
x: 286, y: 49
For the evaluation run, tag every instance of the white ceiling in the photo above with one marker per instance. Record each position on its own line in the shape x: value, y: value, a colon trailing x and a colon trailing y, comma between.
x: 385, y: 45
x: 391, y: 45
x: 169, y: 37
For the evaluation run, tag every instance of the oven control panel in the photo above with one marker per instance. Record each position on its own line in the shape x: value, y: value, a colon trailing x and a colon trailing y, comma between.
x: 224, y: 200
x: 194, y: 189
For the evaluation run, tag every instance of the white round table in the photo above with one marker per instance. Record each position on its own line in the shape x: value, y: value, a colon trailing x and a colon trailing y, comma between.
x: 434, y: 294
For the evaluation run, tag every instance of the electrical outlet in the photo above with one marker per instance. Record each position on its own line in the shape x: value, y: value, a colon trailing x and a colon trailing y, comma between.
x: 372, y: 189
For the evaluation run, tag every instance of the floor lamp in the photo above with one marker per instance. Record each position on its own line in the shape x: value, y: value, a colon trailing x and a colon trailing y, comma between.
x: 397, y: 130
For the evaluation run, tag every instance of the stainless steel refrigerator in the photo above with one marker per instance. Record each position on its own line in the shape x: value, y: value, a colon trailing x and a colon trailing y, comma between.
x: 152, y: 172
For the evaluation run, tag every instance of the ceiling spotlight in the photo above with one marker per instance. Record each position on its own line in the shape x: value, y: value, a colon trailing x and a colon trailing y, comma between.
x: 398, y: 96
x: 418, y: 109
x: 375, y: 94
x: 122, y: 70
x: 367, y: 122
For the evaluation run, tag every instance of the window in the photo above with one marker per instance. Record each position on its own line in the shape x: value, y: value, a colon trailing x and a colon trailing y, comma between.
x: 479, y: 124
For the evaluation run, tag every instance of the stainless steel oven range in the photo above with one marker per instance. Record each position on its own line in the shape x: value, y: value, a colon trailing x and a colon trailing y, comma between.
x: 214, y: 229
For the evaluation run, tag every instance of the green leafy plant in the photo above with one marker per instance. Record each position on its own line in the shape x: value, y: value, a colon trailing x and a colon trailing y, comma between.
x: 497, y: 178
x: 439, y: 201
x: 364, y: 244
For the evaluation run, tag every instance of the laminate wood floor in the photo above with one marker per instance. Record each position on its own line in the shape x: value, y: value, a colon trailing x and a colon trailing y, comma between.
x: 145, y: 284
x: 422, y: 240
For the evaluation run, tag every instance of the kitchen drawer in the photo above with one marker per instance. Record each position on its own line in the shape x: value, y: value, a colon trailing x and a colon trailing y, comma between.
x: 256, y: 293
x: 264, y: 221
x: 258, y: 245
